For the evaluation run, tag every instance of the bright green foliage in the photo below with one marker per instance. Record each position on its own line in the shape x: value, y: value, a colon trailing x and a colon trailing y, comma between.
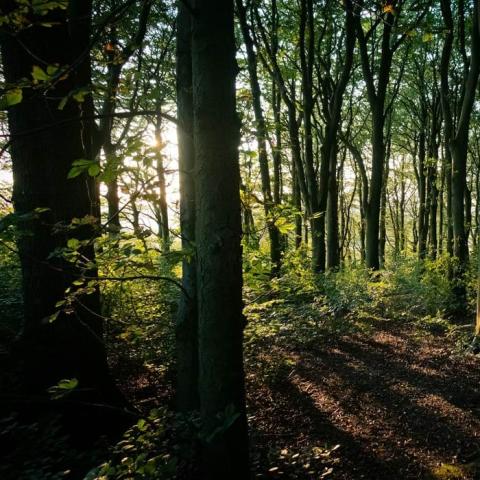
x: 92, y: 167
x: 422, y: 288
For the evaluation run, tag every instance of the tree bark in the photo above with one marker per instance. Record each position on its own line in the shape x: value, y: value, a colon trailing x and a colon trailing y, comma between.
x: 186, y: 329
x: 71, y: 346
x: 218, y: 233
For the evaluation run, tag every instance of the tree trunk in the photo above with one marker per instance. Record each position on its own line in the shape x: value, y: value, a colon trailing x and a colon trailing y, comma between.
x: 186, y: 328
x: 71, y: 346
x: 113, y: 200
x: 164, y: 229
x: 218, y: 233
x: 422, y: 193
x: 297, y: 203
x: 333, y: 248
x: 318, y: 205
x: 383, y: 211
x: 457, y: 139
x: 261, y: 136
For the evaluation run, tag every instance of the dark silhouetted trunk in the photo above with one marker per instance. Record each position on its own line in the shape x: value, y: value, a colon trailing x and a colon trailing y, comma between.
x: 186, y: 330
x: 218, y: 233
x: 71, y: 346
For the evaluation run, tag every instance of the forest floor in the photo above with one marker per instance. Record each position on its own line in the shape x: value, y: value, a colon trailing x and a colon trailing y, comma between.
x: 385, y: 402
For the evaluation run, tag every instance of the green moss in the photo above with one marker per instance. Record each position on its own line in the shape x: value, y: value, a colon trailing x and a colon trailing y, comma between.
x: 448, y: 471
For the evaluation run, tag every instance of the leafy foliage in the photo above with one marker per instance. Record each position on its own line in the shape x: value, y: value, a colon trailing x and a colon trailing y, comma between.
x: 142, y: 454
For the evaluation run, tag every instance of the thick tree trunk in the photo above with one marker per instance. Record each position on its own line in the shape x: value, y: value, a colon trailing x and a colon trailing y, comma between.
x: 218, y: 232
x: 70, y: 346
x: 186, y: 329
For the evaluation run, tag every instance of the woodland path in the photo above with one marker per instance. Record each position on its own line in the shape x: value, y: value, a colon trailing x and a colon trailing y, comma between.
x: 400, y: 405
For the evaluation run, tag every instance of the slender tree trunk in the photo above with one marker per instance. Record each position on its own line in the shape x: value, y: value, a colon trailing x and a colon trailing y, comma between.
x: 261, y: 135
x: 376, y: 90
x: 116, y: 61
x: 441, y: 197
x: 457, y: 139
x: 113, y: 200
x: 318, y: 203
x: 329, y: 149
x: 297, y: 203
x: 432, y: 189
x: 383, y: 212
x: 422, y: 226
x: 333, y: 247
x: 186, y: 329
x: 402, y: 211
x: 372, y: 216
x: 164, y: 229
x: 277, y: 153
x: 218, y: 232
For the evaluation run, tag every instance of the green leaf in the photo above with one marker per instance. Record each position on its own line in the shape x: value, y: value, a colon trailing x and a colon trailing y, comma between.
x: 284, y: 226
x: 80, y: 166
x: 52, y: 70
x: 73, y: 243
x: 80, y: 94
x: 68, y: 384
x: 14, y: 96
x: 63, y: 387
x: 75, y: 172
x: 94, y: 170
x: 53, y: 317
x: 39, y: 75
x: 427, y: 37
x: 42, y: 7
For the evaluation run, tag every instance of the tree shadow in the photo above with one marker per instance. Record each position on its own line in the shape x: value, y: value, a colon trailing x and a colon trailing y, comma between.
x: 395, y: 412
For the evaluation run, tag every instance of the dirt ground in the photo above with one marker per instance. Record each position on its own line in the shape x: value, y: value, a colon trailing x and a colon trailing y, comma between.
x: 394, y: 405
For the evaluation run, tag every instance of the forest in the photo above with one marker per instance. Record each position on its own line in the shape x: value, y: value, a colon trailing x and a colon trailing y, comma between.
x: 239, y: 239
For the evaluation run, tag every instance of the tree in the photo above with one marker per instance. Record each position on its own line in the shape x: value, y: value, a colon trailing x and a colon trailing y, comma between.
x: 376, y: 68
x: 456, y: 132
x: 60, y: 339
x: 261, y: 135
x: 217, y: 238
x: 187, y: 321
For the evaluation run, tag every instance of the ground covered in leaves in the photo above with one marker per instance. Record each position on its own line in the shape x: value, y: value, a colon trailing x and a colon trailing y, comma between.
x: 385, y: 399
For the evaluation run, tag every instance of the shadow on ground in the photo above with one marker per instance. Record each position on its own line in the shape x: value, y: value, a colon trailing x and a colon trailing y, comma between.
x: 398, y: 404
